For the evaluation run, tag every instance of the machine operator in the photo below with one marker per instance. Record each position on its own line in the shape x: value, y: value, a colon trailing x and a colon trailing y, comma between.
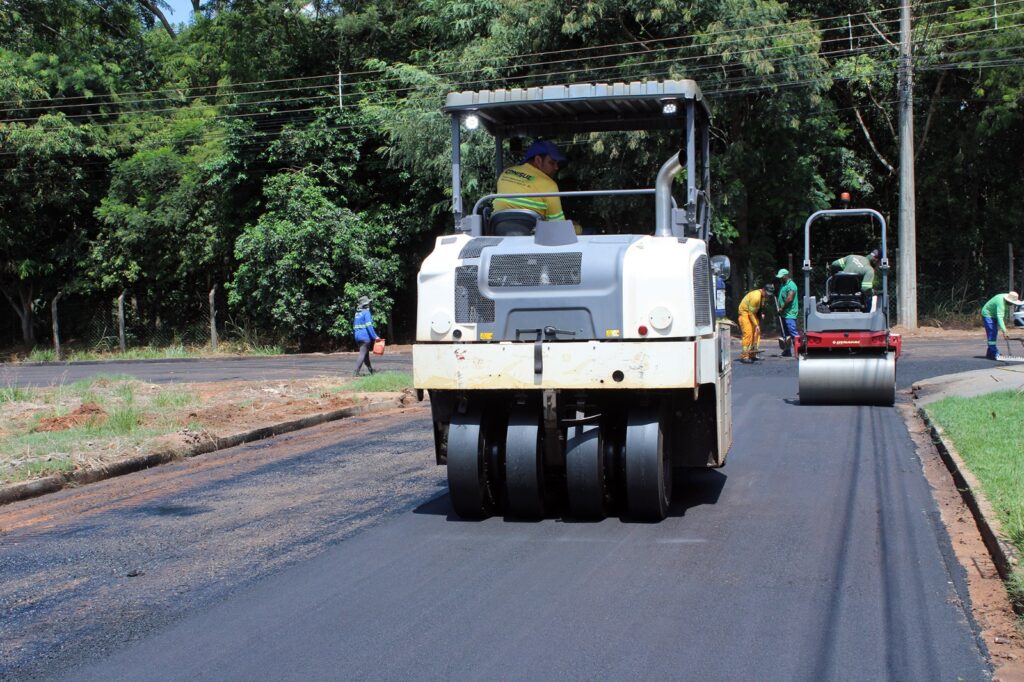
x: 859, y: 265
x: 534, y: 175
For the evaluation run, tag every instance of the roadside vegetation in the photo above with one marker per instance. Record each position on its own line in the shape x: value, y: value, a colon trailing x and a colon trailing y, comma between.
x: 381, y: 381
x: 151, y: 352
x: 107, y: 418
x: 283, y: 158
x: 988, y: 434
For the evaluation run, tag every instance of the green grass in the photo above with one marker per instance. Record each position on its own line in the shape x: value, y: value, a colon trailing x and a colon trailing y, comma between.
x: 143, y: 353
x: 125, y: 393
x: 381, y: 382
x: 172, y: 399
x: 262, y: 350
x: 87, y: 390
x: 42, y: 468
x: 122, y: 421
x: 12, y: 394
x: 988, y: 431
x: 41, y: 355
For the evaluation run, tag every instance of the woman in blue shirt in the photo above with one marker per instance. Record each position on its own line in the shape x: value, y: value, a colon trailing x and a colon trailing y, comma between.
x: 365, y: 334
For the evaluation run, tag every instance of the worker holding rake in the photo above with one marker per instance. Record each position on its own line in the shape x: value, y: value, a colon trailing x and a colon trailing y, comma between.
x: 993, y: 315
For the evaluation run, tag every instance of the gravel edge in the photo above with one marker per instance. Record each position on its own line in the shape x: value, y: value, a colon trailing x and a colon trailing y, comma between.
x: 13, y: 492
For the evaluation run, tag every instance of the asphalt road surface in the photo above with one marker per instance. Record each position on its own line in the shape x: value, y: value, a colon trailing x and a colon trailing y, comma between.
x: 280, y: 367
x: 922, y: 358
x: 816, y: 553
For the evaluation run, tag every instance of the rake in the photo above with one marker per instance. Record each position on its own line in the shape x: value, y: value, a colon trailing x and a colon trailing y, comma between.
x: 1012, y: 358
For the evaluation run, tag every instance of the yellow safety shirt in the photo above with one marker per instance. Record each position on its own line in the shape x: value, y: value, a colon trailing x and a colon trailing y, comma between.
x: 752, y: 302
x: 528, y: 179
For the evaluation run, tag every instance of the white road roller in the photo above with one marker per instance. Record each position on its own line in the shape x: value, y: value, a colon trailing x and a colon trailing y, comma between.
x: 570, y: 370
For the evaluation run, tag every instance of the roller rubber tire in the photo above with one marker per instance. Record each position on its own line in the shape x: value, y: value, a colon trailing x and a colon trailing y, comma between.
x: 467, y: 475
x: 648, y: 470
x: 524, y: 465
x: 584, y: 469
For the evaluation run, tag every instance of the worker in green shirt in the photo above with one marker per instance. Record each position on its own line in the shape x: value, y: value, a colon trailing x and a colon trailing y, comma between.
x: 789, y: 309
x: 993, y: 314
x: 859, y: 265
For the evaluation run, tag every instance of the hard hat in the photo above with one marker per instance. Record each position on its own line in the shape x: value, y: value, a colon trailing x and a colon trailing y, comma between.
x: 875, y: 255
x: 781, y: 273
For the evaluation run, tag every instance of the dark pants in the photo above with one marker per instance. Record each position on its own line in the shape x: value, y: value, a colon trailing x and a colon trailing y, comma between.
x: 364, y: 356
x: 992, y: 336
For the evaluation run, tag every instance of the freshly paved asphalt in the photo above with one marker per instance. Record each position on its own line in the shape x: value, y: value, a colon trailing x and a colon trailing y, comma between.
x: 816, y: 553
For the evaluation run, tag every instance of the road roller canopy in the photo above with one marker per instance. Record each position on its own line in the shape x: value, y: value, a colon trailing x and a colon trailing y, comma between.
x: 578, y: 108
x: 547, y: 111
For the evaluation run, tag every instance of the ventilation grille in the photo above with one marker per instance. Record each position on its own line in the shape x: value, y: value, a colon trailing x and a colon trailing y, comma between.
x: 470, y: 306
x: 534, y: 270
x: 702, y: 292
x: 475, y: 247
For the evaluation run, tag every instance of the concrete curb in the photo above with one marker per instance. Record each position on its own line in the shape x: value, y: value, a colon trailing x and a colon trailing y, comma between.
x: 14, y: 492
x: 1004, y: 555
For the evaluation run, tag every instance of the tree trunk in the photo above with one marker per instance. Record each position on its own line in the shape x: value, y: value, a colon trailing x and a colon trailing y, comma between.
x: 23, y: 307
x: 741, y: 267
x: 28, y: 320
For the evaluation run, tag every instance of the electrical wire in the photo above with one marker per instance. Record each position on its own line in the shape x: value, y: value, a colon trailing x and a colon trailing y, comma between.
x: 693, y: 73
x: 573, y: 50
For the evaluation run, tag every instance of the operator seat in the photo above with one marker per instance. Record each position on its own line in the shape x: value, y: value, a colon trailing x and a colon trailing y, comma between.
x: 844, y: 294
x: 513, y: 222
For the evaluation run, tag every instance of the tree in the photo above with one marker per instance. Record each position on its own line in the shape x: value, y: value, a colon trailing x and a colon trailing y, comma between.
x: 162, y: 227
x: 44, y: 207
x: 306, y: 260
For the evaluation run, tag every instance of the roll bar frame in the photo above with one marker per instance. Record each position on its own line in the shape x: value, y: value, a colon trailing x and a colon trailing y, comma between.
x: 883, y: 261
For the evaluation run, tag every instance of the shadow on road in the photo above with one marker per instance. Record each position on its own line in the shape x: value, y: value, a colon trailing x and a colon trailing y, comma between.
x: 692, y: 488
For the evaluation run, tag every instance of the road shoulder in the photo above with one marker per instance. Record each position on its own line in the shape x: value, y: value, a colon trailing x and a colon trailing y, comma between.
x: 978, y: 541
x: 210, y: 417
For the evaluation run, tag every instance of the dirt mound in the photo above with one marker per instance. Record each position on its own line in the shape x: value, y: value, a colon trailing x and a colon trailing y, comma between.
x: 84, y: 414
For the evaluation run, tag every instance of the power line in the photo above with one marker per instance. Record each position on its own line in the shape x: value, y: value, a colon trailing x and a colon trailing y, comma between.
x: 693, y: 73
x: 527, y: 65
x: 746, y: 85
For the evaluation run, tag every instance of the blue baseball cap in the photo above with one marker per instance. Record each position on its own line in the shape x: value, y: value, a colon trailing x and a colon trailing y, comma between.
x: 543, y: 148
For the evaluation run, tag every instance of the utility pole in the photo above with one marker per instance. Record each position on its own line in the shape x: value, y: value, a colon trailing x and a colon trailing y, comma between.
x: 906, y: 304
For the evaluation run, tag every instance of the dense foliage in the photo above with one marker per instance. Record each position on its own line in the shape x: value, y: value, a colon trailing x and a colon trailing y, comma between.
x: 293, y: 153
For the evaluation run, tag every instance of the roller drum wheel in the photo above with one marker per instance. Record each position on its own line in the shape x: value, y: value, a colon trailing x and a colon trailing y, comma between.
x: 648, y: 468
x: 848, y: 380
x: 584, y: 469
x: 524, y: 465
x: 467, y: 472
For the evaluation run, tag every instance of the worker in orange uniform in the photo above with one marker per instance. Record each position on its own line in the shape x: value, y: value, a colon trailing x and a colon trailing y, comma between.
x: 751, y: 311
